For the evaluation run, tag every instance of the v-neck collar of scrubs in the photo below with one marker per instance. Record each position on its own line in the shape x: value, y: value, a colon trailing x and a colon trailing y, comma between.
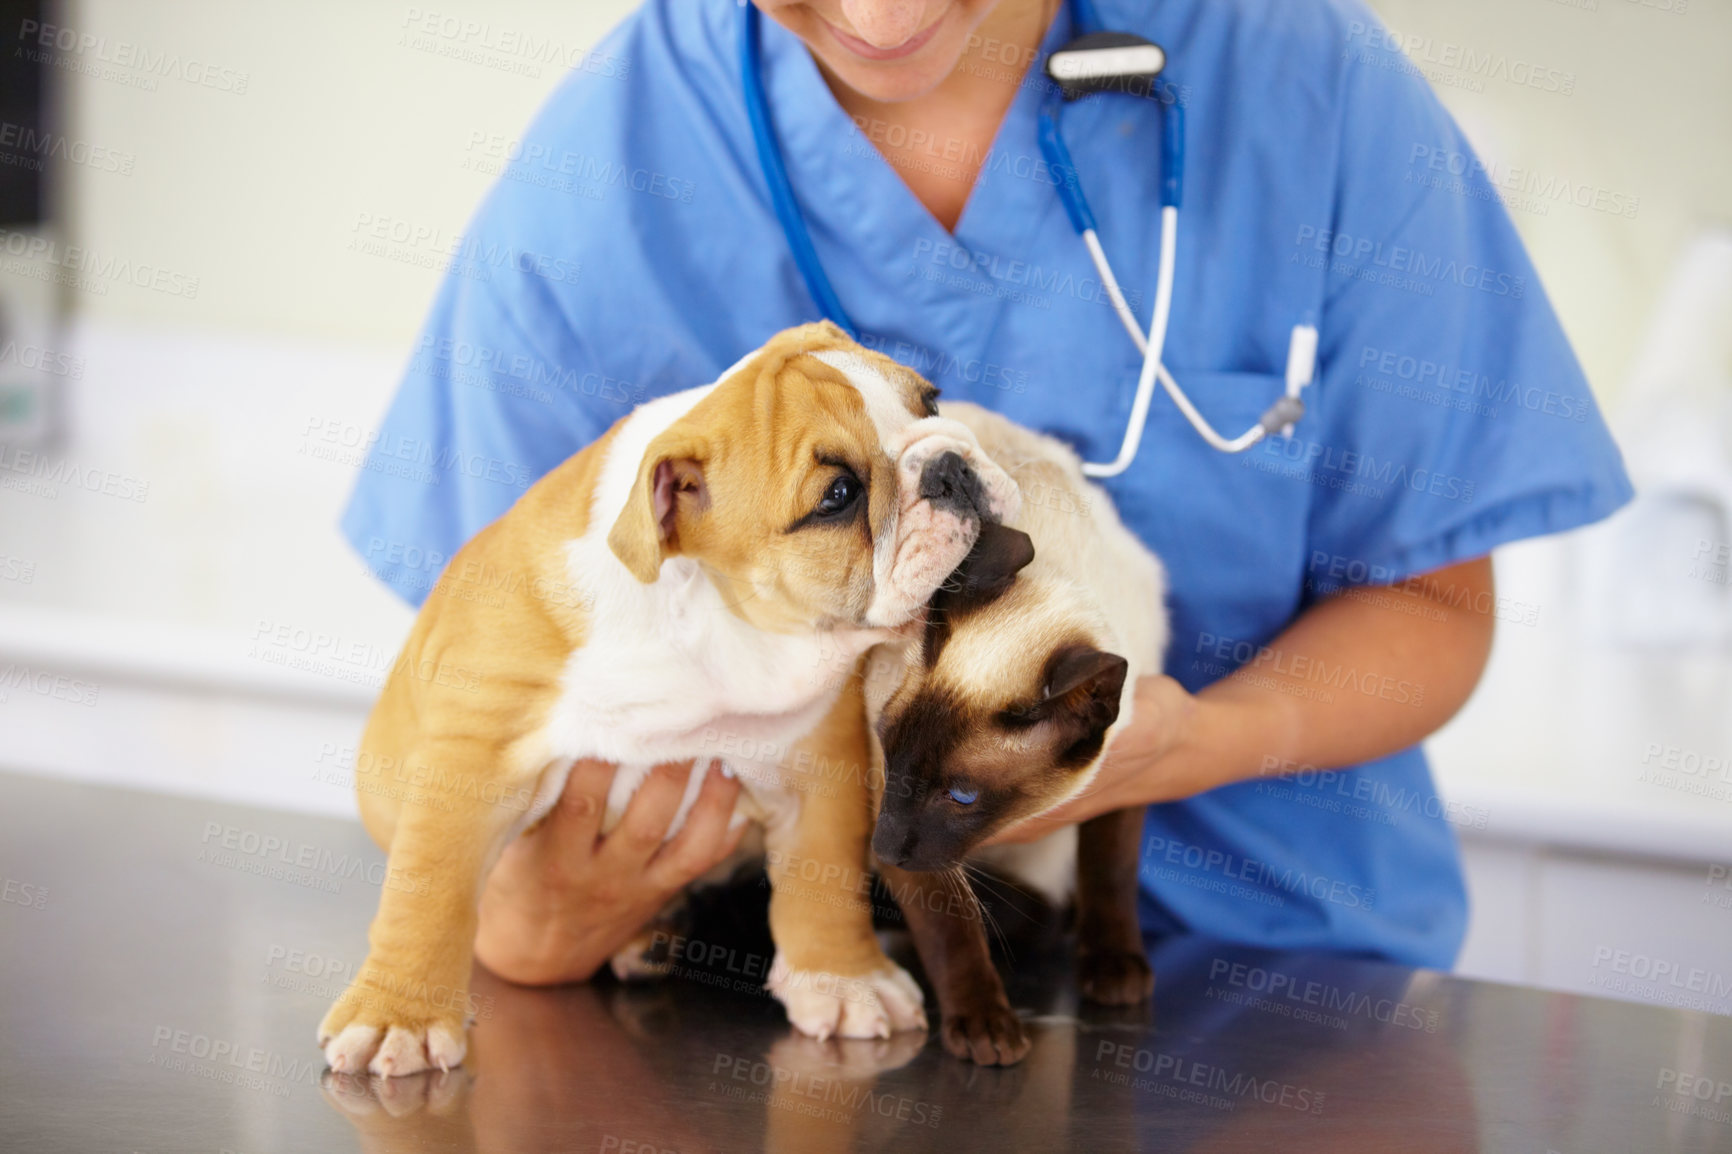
x: 854, y: 201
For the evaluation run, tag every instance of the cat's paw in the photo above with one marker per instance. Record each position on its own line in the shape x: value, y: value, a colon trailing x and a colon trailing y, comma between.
x: 987, y: 1033
x: 875, y: 1004
x: 1115, y: 977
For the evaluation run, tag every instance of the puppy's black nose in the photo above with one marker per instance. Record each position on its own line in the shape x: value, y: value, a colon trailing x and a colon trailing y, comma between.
x: 949, y: 483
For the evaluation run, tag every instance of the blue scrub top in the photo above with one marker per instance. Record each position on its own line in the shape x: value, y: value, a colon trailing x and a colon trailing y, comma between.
x: 630, y: 250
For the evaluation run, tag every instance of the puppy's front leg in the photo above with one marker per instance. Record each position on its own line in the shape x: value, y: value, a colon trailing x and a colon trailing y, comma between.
x: 1112, y: 967
x: 829, y: 970
x: 407, y: 1008
x: 942, y: 914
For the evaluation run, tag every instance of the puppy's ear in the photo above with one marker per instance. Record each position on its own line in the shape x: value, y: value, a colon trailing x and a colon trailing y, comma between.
x: 669, y: 486
x: 1081, y: 691
x: 999, y: 554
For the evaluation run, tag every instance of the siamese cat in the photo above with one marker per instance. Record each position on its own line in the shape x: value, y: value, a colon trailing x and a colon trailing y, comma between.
x: 999, y: 710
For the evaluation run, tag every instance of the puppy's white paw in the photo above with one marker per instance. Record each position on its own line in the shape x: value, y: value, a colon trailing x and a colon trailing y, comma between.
x: 372, y: 1104
x: 875, y: 1004
x: 347, y: 1053
x: 374, y: 1030
x: 636, y: 964
x: 404, y: 1050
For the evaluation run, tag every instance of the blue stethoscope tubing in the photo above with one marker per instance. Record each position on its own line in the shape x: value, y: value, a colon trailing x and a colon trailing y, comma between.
x: 1302, y: 345
x: 776, y: 174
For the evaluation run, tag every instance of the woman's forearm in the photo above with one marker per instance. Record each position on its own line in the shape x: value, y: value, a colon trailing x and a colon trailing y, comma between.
x: 1361, y: 675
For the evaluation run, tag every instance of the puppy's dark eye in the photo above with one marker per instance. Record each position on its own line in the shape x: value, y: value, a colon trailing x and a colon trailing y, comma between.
x: 962, y: 796
x: 840, y: 496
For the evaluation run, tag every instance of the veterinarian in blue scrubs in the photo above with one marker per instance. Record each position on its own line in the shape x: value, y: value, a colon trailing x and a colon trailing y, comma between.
x: 1331, y: 598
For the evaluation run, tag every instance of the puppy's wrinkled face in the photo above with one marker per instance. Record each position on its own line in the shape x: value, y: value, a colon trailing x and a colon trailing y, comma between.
x: 783, y: 485
x: 1003, y: 712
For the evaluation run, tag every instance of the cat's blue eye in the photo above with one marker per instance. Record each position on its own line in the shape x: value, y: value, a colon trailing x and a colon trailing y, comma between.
x: 963, y: 796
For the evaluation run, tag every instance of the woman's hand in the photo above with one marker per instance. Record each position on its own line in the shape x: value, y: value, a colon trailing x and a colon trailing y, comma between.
x: 1138, y: 766
x: 564, y: 897
x: 1356, y: 676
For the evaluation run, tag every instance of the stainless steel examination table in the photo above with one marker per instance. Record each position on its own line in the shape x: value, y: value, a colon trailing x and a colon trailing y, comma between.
x: 164, y: 962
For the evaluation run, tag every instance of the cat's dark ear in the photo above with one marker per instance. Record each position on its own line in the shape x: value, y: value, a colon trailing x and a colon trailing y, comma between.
x: 1080, y: 697
x: 999, y: 554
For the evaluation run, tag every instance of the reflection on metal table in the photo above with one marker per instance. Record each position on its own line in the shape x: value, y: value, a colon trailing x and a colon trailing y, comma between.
x: 164, y: 961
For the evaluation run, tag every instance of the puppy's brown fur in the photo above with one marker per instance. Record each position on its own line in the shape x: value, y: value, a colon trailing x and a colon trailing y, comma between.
x: 486, y: 706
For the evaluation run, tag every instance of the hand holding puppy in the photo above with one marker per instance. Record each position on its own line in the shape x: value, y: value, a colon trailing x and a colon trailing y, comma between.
x: 564, y: 897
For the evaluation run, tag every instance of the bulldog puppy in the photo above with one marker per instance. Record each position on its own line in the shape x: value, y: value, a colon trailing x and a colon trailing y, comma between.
x: 716, y: 562
x: 1000, y: 710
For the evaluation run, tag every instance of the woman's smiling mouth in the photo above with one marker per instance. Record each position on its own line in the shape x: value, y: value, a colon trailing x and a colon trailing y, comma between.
x: 870, y: 51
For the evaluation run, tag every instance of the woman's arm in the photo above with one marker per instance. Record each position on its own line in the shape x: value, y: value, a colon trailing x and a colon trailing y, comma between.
x: 1369, y: 671
x: 565, y: 897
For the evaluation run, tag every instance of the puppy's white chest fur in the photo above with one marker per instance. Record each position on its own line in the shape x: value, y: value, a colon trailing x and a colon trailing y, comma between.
x: 668, y: 672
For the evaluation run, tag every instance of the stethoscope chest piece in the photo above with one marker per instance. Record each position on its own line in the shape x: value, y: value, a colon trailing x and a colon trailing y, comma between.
x: 1120, y: 62
x: 1095, y: 62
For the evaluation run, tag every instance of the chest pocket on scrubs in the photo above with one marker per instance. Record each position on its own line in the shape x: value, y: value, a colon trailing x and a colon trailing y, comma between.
x: 1230, y: 528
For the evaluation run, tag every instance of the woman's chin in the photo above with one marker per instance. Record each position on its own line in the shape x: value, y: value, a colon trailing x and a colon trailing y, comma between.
x: 887, y: 83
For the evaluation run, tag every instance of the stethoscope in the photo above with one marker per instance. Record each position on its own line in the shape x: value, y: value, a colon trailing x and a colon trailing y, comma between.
x: 1094, y: 62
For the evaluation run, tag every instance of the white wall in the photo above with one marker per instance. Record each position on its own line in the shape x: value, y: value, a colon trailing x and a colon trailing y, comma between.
x: 1649, y: 117
x: 349, y: 108
x: 353, y: 108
